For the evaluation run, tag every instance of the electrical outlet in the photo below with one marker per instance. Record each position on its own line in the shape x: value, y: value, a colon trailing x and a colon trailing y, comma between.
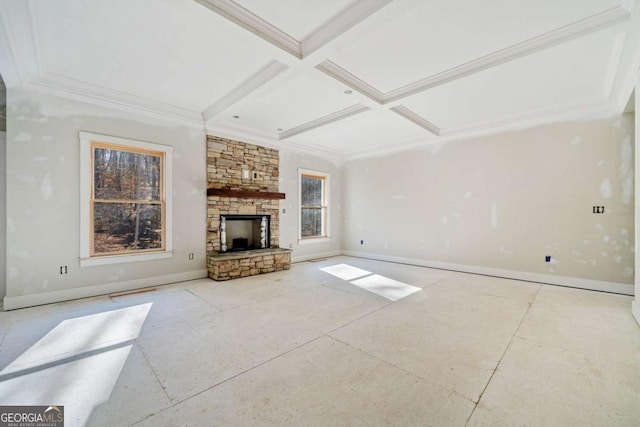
x: 547, y: 258
x: 598, y: 209
x: 191, y: 256
x: 362, y: 242
x: 290, y: 245
x: 64, y: 269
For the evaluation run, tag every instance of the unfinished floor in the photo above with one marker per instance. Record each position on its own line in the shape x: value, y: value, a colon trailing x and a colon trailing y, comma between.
x: 342, y: 341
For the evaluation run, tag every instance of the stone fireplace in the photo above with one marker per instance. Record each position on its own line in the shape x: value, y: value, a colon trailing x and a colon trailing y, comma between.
x: 243, y: 210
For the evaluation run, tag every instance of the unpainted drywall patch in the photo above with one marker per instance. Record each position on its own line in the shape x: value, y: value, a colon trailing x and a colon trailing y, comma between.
x: 606, y: 190
x: 444, y: 220
x: 576, y: 140
x: 25, y: 178
x: 398, y: 197
x: 23, y: 137
x: 600, y: 163
x: 606, y: 239
x: 624, y: 232
x: 40, y: 159
x: 627, y: 272
x: 494, y: 215
x: 468, y: 194
x: 48, y: 138
x: 626, y: 171
x: 617, y: 258
x: 580, y: 261
x: 576, y: 253
x: 46, y: 187
x: 505, y: 251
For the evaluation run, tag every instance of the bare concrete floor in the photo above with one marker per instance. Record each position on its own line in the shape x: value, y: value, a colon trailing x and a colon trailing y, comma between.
x: 343, y: 341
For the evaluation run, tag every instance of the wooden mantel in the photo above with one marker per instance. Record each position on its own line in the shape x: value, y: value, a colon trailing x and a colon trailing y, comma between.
x: 244, y: 194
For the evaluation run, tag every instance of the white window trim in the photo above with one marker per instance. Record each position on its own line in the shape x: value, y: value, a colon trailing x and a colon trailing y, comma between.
x: 86, y: 260
x: 327, y: 219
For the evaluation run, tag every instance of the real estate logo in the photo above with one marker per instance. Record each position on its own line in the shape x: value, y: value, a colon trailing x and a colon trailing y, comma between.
x: 32, y: 416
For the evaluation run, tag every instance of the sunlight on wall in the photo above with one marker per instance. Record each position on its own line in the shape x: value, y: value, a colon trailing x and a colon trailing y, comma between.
x: 375, y: 283
x: 76, y: 364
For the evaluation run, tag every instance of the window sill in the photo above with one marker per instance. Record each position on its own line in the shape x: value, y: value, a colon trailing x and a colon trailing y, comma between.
x: 117, y: 259
x: 311, y: 240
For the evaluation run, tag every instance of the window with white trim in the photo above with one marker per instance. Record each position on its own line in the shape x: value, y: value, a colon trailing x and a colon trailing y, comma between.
x: 314, y: 205
x: 125, y: 200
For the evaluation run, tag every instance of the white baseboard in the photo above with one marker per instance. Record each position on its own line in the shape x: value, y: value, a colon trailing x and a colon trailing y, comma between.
x: 302, y: 258
x: 635, y: 310
x: 14, y: 302
x: 572, y: 282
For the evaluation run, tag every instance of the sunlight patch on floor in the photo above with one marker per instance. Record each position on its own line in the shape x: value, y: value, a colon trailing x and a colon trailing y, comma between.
x: 385, y: 287
x: 75, y: 365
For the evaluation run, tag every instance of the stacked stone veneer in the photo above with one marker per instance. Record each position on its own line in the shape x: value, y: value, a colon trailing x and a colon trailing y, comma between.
x: 250, y: 263
x: 226, y: 161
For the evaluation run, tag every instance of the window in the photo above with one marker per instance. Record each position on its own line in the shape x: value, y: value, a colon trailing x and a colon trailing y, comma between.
x: 313, y: 205
x: 125, y: 206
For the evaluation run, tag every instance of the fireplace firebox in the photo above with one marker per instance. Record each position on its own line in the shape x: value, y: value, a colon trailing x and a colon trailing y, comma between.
x: 244, y: 232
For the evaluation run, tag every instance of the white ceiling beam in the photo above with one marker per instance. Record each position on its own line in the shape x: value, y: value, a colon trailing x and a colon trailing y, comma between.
x: 557, y: 36
x: 252, y: 22
x: 332, y: 69
x: 416, y: 118
x: 344, y: 20
x: 258, y: 79
x: 560, y: 35
x: 325, y: 120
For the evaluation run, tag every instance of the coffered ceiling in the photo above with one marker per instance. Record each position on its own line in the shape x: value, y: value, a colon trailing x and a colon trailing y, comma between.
x: 340, y: 78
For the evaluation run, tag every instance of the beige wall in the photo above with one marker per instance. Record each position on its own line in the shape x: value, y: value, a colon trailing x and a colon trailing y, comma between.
x: 43, y: 226
x: 290, y: 161
x: 3, y: 216
x: 503, y: 201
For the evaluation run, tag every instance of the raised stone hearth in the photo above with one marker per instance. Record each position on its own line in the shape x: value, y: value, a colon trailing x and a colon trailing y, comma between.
x: 248, y: 263
x: 242, y: 180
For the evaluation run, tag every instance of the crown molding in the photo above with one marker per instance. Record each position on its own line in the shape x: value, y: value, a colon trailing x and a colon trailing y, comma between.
x: 589, y: 110
x: 16, y: 21
x: 341, y: 22
x: 325, y: 120
x: 415, y: 118
x: 253, y: 23
x: 253, y: 136
x: 259, y: 78
x: 613, y: 64
x: 82, y: 91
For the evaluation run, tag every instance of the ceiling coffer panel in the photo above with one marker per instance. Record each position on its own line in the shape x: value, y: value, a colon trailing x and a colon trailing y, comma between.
x: 342, y: 77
